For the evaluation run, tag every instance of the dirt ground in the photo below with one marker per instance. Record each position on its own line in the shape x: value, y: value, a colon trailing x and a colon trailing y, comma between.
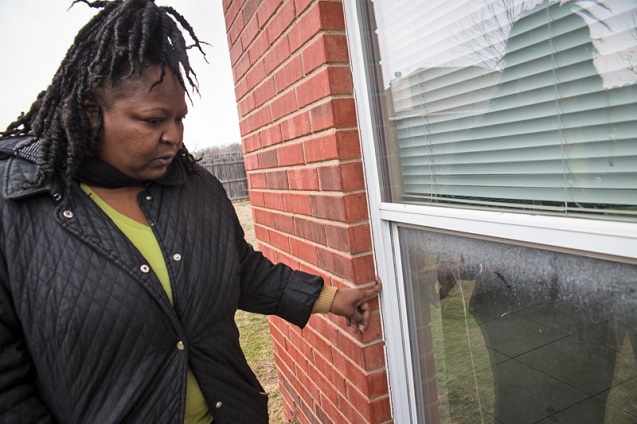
x: 244, y: 212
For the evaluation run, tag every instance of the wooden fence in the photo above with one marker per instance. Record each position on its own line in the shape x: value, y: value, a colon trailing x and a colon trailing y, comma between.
x: 230, y: 170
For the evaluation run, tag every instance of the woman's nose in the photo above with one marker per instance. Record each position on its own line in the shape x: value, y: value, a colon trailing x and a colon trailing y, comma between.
x: 173, y: 134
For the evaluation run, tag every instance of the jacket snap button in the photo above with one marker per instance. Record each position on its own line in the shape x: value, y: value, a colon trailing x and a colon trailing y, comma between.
x: 177, y: 257
x: 180, y: 345
x: 67, y: 214
x: 219, y: 404
x: 144, y: 268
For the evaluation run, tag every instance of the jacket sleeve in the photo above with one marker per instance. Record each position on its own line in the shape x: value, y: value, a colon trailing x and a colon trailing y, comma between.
x: 274, y: 289
x: 19, y: 400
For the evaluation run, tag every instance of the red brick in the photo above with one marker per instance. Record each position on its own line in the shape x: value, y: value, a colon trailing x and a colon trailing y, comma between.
x: 350, y: 411
x: 262, y: 217
x: 255, y: 75
x: 278, y: 336
x: 269, y: 253
x: 251, y: 143
x: 352, y: 373
x: 325, y: 49
x: 277, y: 180
x: 241, y: 67
x: 303, y: 179
x: 303, y: 250
x: 289, y: 73
x: 297, y: 203
x: 249, y: 8
x: 246, y: 105
x: 241, y: 90
x: 359, y: 401
x: 336, y: 113
x: 246, y: 125
x: 295, y: 126
x: 356, y: 207
x: 381, y: 410
x: 256, y: 198
x: 266, y: 11
x: 330, y: 408
x: 328, y: 81
x: 259, y: 47
x: 264, y: 92
x: 342, y: 177
x: 232, y: 16
x: 328, y: 207
x: 270, y: 135
x: 288, y: 260
x: 280, y: 240
x: 284, y: 105
x: 321, y: 16
x: 273, y: 200
x: 344, y: 208
x: 261, y: 118
x: 235, y: 53
x: 250, y: 31
x: 282, y: 222
x: 353, y: 176
x: 298, y: 357
x: 262, y: 233
x: 309, y: 229
x: 267, y: 159
x: 352, y: 239
x: 281, y: 21
x: 363, y: 271
x: 299, y: 340
x: 319, y: 344
x: 234, y: 32
x: 251, y: 162
x: 330, y: 178
x: 301, y: 5
x: 343, y: 144
x: 336, y: 263
x: 257, y: 180
x: 278, y: 53
x: 290, y: 154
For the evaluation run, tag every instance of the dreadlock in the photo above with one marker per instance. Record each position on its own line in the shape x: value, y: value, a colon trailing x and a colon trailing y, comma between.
x: 123, y: 38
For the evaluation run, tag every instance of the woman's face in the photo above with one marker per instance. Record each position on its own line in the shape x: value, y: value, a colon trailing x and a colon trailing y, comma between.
x: 142, y: 129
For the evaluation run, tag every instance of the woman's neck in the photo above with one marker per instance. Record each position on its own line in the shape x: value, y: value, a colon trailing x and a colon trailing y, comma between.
x: 123, y: 200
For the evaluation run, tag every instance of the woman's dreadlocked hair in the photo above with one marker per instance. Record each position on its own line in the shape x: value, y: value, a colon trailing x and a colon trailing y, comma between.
x: 118, y: 42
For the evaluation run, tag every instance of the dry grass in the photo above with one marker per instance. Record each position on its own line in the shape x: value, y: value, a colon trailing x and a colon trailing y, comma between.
x: 255, y: 334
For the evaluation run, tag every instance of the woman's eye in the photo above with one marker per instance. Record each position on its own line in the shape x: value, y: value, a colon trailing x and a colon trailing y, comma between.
x: 155, y: 121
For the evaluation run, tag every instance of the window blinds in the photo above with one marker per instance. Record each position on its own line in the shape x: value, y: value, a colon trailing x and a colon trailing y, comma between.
x: 527, y: 105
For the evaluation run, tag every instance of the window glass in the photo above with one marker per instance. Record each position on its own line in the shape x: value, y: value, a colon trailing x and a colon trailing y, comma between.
x: 502, y: 333
x: 508, y: 104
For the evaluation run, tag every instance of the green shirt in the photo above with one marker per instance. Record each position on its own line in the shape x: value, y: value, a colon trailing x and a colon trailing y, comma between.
x: 144, y: 240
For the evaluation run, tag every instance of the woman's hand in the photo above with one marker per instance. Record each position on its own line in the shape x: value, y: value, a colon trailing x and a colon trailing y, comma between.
x: 353, y: 304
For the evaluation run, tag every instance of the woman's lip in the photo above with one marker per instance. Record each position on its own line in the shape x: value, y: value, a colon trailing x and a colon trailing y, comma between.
x: 165, y: 160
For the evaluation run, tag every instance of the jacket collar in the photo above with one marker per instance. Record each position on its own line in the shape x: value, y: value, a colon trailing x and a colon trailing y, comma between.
x: 22, y: 176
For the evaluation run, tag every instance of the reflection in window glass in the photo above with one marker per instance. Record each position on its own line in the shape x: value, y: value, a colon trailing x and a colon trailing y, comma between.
x: 522, y: 104
x: 510, y: 334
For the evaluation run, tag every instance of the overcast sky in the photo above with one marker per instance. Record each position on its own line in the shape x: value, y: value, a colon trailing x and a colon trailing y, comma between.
x: 35, y: 35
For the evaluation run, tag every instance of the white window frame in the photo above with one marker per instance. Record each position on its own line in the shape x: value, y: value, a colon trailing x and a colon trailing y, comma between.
x: 589, y: 237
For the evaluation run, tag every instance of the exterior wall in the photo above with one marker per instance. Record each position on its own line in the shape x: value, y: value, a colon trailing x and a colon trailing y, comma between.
x: 302, y: 153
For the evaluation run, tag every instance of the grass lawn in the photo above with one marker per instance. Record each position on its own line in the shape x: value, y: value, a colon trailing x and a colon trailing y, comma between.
x: 255, y: 334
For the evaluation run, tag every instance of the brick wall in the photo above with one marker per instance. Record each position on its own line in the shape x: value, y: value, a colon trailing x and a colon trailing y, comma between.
x: 293, y: 86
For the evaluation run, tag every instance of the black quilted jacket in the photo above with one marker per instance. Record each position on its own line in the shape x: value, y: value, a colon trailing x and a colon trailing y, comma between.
x: 87, y: 334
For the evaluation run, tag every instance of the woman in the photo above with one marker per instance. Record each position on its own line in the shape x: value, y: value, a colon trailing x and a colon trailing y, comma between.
x: 123, y: 262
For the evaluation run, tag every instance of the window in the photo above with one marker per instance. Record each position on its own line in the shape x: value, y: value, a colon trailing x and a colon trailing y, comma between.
x: 517, y: 105
x: 510, y: 334
x: 500, y: 147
